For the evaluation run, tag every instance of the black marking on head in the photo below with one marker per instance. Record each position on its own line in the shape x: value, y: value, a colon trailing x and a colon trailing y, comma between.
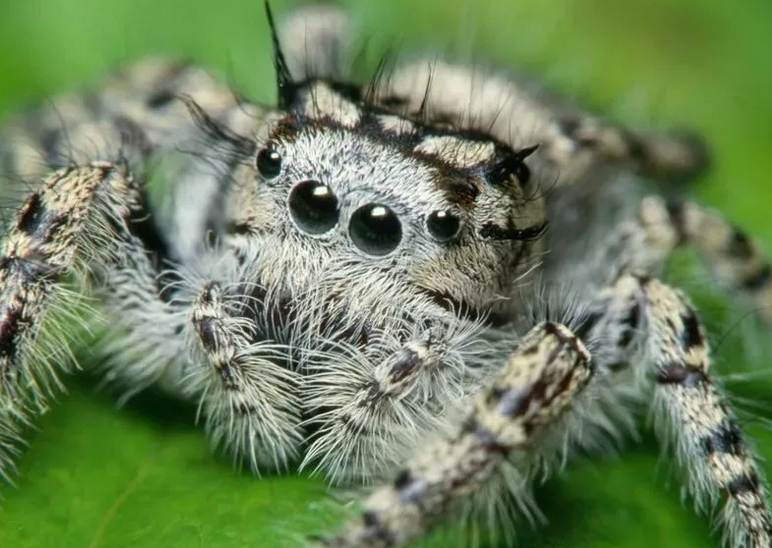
x: 461, y: 182
x: 491, y: 231
x: 512, y: 164
x: 284, y: 85
x: 347, y: 90
x: 459, y: 191
x: 462, y: 185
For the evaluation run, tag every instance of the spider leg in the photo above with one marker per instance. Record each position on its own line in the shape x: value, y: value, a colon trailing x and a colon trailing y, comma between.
x: 138, y: 101
x: 385, y: 391
x: 537, y: 385
x: 250, y: 401
x: 79, y: 222
x: 691, y: 410
x: 689, y: 407
x: 96, y: 218
x: 736, y: 261
x: 666, y: 156
x: 642, y: 245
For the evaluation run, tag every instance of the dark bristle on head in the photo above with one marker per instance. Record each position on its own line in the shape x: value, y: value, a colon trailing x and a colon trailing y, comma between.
x: 379, y: 78
x: 235, y: 144
x: 512, y: 164
x: 491, y: 231
x: 285, y: 86
x: 422, y: 109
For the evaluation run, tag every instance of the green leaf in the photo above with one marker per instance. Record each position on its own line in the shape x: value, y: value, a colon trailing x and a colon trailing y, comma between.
x: 96, y: 476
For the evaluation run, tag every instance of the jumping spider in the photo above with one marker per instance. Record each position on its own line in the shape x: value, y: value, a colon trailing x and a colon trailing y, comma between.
x: 442, y: 280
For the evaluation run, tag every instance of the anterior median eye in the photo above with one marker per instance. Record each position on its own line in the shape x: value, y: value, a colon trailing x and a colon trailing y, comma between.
x: 375, y: 229
x: 443, y: 225
x: 268, y: 161
x: 313, y: 207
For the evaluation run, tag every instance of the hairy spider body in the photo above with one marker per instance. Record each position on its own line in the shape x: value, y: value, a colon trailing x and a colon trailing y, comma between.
x: 364, y: 268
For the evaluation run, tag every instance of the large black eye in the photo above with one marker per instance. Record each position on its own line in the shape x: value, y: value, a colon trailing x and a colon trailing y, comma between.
x: 443, y: 225
x: 375, y: 229
x: 268, y: 161
x: 313, y: 207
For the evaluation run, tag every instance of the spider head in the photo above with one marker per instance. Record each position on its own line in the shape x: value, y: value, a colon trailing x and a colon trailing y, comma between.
x: 344, y: 185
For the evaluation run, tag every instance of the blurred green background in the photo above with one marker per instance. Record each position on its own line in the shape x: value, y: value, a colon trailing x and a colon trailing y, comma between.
x: 95, y: 476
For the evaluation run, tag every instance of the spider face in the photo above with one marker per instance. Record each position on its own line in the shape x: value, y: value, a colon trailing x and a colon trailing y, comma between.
x: 335, y: 282
x: 450, y: 218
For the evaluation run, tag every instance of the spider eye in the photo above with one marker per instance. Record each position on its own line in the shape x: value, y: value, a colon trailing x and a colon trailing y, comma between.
x: 313, y: 207
x: 269, y: 161
x: 443, y: 225
x: 375, y: 229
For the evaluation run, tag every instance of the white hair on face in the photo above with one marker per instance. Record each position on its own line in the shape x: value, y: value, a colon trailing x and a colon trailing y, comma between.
x: 441, y: 281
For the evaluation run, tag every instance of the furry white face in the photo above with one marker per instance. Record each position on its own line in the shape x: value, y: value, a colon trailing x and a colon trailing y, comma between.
x: 368, y: 240
x: 371, y: 193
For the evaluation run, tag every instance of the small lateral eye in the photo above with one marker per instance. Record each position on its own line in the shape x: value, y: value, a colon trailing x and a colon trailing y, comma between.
x: 375, y: 229
x: 269, y: 161
x: 313, y: 207
x: 443, y: 225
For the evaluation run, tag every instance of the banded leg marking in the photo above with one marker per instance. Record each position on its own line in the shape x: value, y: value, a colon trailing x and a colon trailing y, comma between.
x: 537, y: 385
x: 66, y: 226
x: 735, y: 259
x: 249, y: 400
x: 719, y: 463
